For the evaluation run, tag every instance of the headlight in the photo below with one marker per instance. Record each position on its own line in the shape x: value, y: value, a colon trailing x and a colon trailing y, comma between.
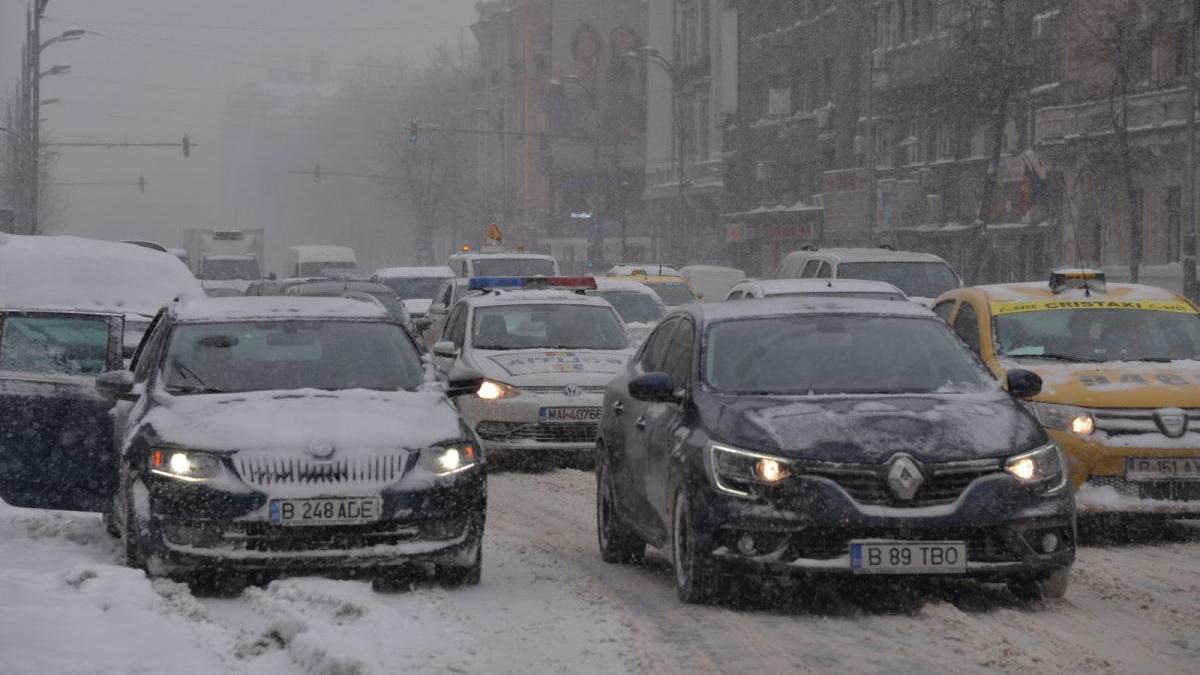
x: 185, y: 465
x: 450, y: 459
x: 1065, y: 418
x: 491, y: 391
x: 1044, y: 466
x: 735, y: 471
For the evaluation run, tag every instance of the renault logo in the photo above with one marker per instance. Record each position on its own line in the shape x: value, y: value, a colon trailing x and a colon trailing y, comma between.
x: 573, y: 390
x: 905, y: 477
x: 320, y: 451
x: 1172, y: 421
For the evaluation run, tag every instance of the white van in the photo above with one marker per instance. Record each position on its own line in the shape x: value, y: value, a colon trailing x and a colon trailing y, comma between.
x: 467, y: 265
x: 922, y: 276
x: 311, y: 261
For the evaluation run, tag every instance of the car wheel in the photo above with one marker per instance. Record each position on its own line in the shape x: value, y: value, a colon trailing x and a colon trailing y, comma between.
x: 455, y: 577
x: 618, y: 544
x: 694, y: 583
x: 130, y: 527
x: 1052, y: 587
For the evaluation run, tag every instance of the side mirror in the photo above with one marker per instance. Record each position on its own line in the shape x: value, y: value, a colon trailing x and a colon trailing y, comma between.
x: 1024, y: 383
x: 438, y: 309
x: 653, y: 387
x: 422, y: 324
x: 463, y: 381
x: 445, y: 350
x: 115, y: 385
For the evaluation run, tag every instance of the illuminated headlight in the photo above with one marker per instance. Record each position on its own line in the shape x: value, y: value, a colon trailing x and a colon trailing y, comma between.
x: 450, y: 459
x: 1045, y: 467
x: 735, y: 471
x: 491, y: 391
x: 185, y: 465
x: 1065, y: 418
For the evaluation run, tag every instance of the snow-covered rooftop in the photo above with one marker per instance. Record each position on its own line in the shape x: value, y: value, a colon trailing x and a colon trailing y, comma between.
x: 719, y: 311
x: 277, y: 308
x: 439, y: 272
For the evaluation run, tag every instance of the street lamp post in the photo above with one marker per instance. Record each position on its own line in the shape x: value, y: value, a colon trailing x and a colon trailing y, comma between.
x: 652, y: 55
x: 597, y: 173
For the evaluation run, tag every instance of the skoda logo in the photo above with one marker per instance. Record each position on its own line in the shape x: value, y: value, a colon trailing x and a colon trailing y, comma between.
x: 1173, y: 422
x: 573, y: 390
x: 905, y: 477
x: 320, y: 451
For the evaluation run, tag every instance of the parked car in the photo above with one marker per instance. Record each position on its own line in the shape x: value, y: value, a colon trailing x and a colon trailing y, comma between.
x: 673, y: 290
x: 267, y: 435
x: 710, y: 282
x: 799, y: 438
x: 757, y: 289
x: 922, y: 276
x: 415, y: 285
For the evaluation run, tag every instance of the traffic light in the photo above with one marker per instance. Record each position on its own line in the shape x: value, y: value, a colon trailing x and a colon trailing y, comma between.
x: 141, y: 183
x: 414, y: 130
x: 187, y: 146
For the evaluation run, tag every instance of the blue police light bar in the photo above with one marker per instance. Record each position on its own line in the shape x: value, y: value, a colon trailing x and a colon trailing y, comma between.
x: 500, y: 283
x: 493, y: 283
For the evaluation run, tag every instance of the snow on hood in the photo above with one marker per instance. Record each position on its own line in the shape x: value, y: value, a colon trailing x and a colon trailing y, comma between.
x: 346, y: 420
x: 418, y: 306
x: 1116, y: 384
x: 583, y: 367
x: 934, y: 428
x: 71, y: 273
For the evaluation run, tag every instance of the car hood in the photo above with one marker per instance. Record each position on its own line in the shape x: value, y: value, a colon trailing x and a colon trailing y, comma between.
x: 345, y: 420
x: 239, y: 285
x: 1116, y: 384
x: 418, y: 306
x: 931, y: 428
x: 584, y: 367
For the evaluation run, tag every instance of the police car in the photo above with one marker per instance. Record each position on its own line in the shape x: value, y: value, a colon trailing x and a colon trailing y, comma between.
x: 546, y: 349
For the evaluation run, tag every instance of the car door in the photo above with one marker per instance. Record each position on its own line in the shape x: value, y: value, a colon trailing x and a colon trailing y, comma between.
x: 665, y: 428
x: 438, y: 310
x: 56, y: 447
x: 966, y: 326
x: 145, y: 363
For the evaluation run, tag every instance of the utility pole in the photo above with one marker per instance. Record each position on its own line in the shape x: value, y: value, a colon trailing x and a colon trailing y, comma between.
x: 35, y: 114
x: 1189, y: 166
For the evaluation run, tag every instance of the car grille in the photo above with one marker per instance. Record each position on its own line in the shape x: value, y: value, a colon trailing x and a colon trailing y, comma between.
x: 867, y: 483
x: 828, y: 544
x: 374, y: 469
x: 508, y: 432
x: 561, y: 390
x: 1135, y: 422
x: 1166, y: 490
x: 265, y: 537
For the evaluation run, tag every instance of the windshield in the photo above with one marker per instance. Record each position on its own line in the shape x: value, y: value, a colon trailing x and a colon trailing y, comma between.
x: 314, y: 269
x: 513, y: 267
x: 547, y: 327
x: 231, y: 269
x: 633, y: 307
x: 673, y: 294
x: 54, y: 345
x: 1099, y: 335
x: 414, y: 288
x: 916, y: 279
x: 834, y: 354
x: 283, y: 355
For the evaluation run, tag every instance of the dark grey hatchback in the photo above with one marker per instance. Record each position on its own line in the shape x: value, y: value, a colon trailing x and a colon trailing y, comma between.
x: 796, y: 438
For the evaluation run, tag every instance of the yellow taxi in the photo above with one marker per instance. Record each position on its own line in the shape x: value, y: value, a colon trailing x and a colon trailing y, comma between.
x: 1121, y: 370
x: 673, y: 290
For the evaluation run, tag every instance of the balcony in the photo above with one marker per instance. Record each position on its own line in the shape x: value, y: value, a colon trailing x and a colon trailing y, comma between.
x: 1161, y: 111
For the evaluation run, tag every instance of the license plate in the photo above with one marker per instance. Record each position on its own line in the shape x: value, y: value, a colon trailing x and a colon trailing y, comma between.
x: 1180, y: 468
x: 325, y: 511
x: 908, y: 557
x: 568, y: 415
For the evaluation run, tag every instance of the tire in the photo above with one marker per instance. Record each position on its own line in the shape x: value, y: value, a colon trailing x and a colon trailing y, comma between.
x: 618, y: 544
x: 1052, y: 587
x: 694, y: 583
x: 457, y: 577
x: 392, y: 580
x: 130, y: 527
x: 214, y: 583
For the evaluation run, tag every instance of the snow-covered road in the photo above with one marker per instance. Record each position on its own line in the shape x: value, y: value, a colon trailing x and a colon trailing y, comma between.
x: 549, y: 605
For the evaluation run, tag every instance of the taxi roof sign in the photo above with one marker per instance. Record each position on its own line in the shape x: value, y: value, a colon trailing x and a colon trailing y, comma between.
x: 1086, y: 279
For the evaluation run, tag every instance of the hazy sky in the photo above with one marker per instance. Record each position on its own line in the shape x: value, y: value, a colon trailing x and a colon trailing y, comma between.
x: 161, y: 68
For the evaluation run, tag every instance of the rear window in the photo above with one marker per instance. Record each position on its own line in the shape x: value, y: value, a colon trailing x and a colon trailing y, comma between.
x: 54, y: 345
x: 513, y: 267
x: 673, y: 294
x: 916, y: 279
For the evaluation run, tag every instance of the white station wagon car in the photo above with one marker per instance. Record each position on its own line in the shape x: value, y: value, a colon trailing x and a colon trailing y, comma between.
x: 639, y: 306
x: 546, y: 355
x: 922, y: 276
x: 757, y: 289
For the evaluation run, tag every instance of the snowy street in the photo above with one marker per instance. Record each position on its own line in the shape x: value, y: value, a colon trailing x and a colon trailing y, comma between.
x: 549, y: 604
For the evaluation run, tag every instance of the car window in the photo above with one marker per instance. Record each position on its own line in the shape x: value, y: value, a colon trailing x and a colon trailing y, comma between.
x: 737, y: 295
x: 810, y: 269
x: 456, y: 326
x: 825, y: 271
x: 944, y: 310
x: 145, y: 358
x: 547, y: 326
x: 55, y: 344
x: 651, y: 358
x: 966, y: 325
x: 678, y: 360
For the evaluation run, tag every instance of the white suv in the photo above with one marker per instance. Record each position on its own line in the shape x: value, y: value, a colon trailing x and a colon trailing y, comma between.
x: 922, y: 276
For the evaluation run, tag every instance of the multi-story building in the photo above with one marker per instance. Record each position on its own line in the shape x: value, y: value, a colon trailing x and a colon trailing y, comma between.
x: 1120, y: 134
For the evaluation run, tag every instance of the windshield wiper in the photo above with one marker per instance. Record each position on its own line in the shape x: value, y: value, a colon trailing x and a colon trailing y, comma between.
x: 494, y: 348
x: 1149, y: 359
x: 1053, y: 357
x: 194, y: 389
x: 188, y: 372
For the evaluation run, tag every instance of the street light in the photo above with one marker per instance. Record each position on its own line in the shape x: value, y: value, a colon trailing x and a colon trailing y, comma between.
x: 653, y: 55
x: 69, y: 35
x: 56, y: 69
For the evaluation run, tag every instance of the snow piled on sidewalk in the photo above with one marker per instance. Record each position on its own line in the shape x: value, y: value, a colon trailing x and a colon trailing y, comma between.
x: 68, y: 606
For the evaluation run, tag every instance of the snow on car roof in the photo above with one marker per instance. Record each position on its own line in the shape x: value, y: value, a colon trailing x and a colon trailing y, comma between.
x: 335, y: 288
x: 504, y: 297
x: 710, y: 268
x: 247, y: 256
x: 781, y: 286
x: 606, y: 284
x: 627, y: 269
x: 852, y: 255
x: 276, y: 308
x: 76, y: 274
x: 1040, y: 290
x: 719, y: 311
x: 502, y: 254
x: 438, y: 272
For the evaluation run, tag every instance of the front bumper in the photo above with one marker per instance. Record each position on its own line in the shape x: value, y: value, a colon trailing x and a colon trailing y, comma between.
x: 805, y: 528
x: 1098, y: 468
x: 515, y: 425
x: 192, y: 527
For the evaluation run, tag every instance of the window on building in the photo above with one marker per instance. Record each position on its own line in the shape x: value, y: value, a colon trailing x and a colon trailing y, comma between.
x: 901, y: 22
x: 1140, y: 66
x: 827, y: 79
x: 688, y: 31
x: 1174, y: 222
x: 705, y: 29
x: 945, y: 139
x: 1181, y: 45
x: 702, y: 126
x: 885, y: 145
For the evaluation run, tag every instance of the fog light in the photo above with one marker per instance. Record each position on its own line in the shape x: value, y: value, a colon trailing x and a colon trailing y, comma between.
x: 1083, y: 425
x: 1049, y: 542
x: 746, y: 545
